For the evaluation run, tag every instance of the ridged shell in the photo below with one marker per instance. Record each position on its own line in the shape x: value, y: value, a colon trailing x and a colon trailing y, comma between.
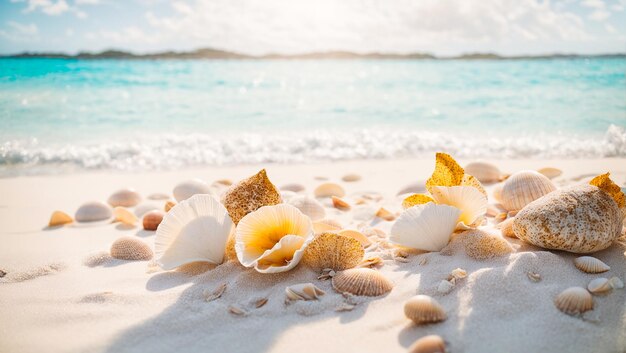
x: 599, y: 285
x: 524, y: 187
x: 578, y: 219
x: 550, y: 173
x: 482, y: 245
x: 129, y: 248
x: 340, y: 204
x: 365, y: 241
x: 94, y: 211
x: 152, y: 219
x: 334, y: 251
x: 310, y: 207
x: 294, y: 187
x: 326, y: 225
x: 188, y: 188
x: 249, y: 195
x: 496, y: 191
x: 125, y: 216
x: 468, y: 199
x: 59, y: 218
x: 194, y: 230
x: 361, y: 281
x: 128, y: 197
x: 350, y: 178
x: 590, y: 264
x: 303, y: 291
x: 425, y: 227
x: 273, y: 238
x: 329, y: 189
x: 428, y: 344
x: 574, y: 300
x: 484, y: 172
x: 423, y: 309
x: 418, y: 187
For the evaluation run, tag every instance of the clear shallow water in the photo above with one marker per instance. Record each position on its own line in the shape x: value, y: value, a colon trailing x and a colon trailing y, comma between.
x: 65, y: 115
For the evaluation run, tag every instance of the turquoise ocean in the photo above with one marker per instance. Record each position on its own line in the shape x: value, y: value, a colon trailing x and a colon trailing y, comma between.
x: 60, y: 116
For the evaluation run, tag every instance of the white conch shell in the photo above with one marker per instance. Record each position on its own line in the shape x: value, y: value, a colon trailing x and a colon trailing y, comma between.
x: 471, y: 202
x: 303, y: 291
x: 425, y: 227
x: 273, y: 238
x: 196, y: 229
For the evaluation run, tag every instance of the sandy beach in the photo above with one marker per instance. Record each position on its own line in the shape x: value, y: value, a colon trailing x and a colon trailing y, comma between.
x: 62, y: 292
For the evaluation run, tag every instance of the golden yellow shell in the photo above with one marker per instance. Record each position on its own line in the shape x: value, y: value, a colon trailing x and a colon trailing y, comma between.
x: 330, y: 250
x: 129, y: 248
x: 59, y: 218
x: 125, y: 216
x: 423, y: 309
x: 361, y: 281
x: 340, y: 204
x: 249, y: 195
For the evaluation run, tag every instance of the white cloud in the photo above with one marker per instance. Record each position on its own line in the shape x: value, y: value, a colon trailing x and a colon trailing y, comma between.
x: 610, y: 29
x: 599, y: 15
x: 19, y: 32
x: 594, y: 4
x: 52, y: 8
x: 87, y: 2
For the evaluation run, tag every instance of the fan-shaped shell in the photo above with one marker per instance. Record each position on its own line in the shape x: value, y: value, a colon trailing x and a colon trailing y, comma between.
x: 418, y: 187
x: 326, y: 225
x: 599, y: 285
x: 350, y: 178
x: 574, y: 300
x: 129, y: 248
x: 524, y: 187
x: 330, y: 250
x: 294, y: 187
x: 127, y: 197
x: 191, y: 187
x: 273, y: 238
x: 480, y: 245
x: 550, y: 172
x: 59, y: 218
x: 425, y: 227
x: 428, y: 344
x: 249, y: 195
x: 365, y: 241
x: 196, y: 229
x: 125, y: 216
x: 483, y: 171
x: 471, y: 202
x: 93, y: 212
x: 303, y: 291
x: 361, y: 281
x: 310, y: 207
x: 423, y: 309
x: 590, y: 264
x: 152, y: 219
x: 329, y: 189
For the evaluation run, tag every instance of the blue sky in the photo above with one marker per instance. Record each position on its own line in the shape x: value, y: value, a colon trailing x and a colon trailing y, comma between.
x: 443, y: 27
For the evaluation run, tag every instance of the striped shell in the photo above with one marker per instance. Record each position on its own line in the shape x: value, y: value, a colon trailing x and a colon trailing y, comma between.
x: 590, y: 264
x: 599, y: 285
x: 362, y: 281
x: 483, y: 171
x: 334, y: 251
x: 129, y: 248
x: 423, y: 309
x: 574, y: 300
x: 310, y: 207
x: 523, y: 188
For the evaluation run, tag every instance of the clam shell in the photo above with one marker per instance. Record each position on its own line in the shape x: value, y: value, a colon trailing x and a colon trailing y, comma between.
x: 340, y: 204
x: 483, y: 171
x: 294, y: 187
x: 152, y: 219
x: 334, y: 251
x: 196, y: 229
x: 599, y: 285
x: 361, y: 281
x: 303, y: 291
x: 574, y: 300
x: 428, y: 344
x: 590, y: 264
x: 425, y: 227
x: 329, y: 189
x: 191, y: 187
x: 550, y: 173
x: 249, y: 195
x: 326, y: 225
x: 471, y: 202
x: 128, y: 197
x: 481, y: 245
x: 130, y: 248
x: 125, y: 216
x: 310, y: 207
x: 93, y: 212
x: 59, y: 218
x: 350, y: 178
x: 365, y: 241
x: 418, y: 187
x: 524, y: 187
x: 423, y: 309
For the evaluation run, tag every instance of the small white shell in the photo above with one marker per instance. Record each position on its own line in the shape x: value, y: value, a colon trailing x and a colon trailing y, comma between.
x: 471, y: 202
x: 428, y: 344
x: 423, y: 309
x: 574, y: 300
x: 128, y: 197
x: 303, y: 291
x: 590, y: 264
x: 599, y: 285
x: 616, y: 283
x: 425, y: 227
x: 188, y: 188
x: 294, y: 187
x: 524, y: 187
x: 310, y: 207
x: 483, y: 171
x: 329, y: 189
x: 93, y: 212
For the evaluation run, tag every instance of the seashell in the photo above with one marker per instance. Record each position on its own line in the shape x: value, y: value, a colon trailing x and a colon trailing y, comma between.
x: 249, y: 195
x: 590, y: 264
x: 194, y: 230
x: 350, y: 178
x: 273, y: 238
x: 223, y: 182
x: 235, y: 310
x: 128, y: 197
x: 328, y: 190
x: 330, y: 250
x: 303, y: 291
x: 146, y: 207
x: 93, y: 212
x: 260, y: 302
x: 295, y: 187
x: 482, y: 245
x: 599, y: 285
x: 471, y: 202
x: 457, y: 273
x: 418, y: 187
x: 210, y: 296
x: 152, y: 219
x: 616, y: 283
x: 445, y: 287
x: 125, y: 216
x: 158, y: 196
x: 423, y: 309
x: 533, y: 276
x: 428, y: 344
x: 365, y: 241
x: 372, y: 262
x: 550, y: 173
x: 524, y: 187
x: 340, y: 204
x: 129, y: 248
x: 361, y: 281
x: 506, y: 227
x: 574, y: 300
x: 326, y: 225
x: 496, y: 192
x: 310, y: 207
x: 385, y: 214
x: 425, y: 227
x: 191, y: 187
x: 59, y: 218
x: 578, y: 219
x: 168, y: 205
x: 483, y: 171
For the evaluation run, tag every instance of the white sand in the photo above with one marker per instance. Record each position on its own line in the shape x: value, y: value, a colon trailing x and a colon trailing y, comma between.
x: 61, y: 294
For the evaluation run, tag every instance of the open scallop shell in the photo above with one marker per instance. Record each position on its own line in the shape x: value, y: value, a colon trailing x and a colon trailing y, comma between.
x: 471, y: 202
x: 425, y: 227
x: 428, y: 344
x: 196, y: 229
x: 310, y: 207
x: 574, y: 300
x: 94, y: 211
x: 329, y: 189
x: 423, y: 309
x: 599, y: 285
x: 524, y: 187
x: 128, y: 197
x: 59, y: 218
x: 334, y: 251
x: 188, y: 188
x: 129, y: 248
x: 125, y: 216
x: 361, y: 281
x: 273, y: 238
x: 303, y: 291
x: 365, y: 241
x: 590, y: 264
x: 484, y: 172
x: 249, y: 195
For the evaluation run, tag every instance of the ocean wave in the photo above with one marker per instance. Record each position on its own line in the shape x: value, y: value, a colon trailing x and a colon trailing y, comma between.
x: 167, y: 152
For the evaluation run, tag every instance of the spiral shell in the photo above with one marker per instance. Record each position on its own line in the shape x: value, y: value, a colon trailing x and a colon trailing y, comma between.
x: 574, y: 300
x: 361, y: 281
x: 129, y: 248
x: 334, y: 251
x: 523, y: 188
x: 423, y: 309
x: 590, y: 264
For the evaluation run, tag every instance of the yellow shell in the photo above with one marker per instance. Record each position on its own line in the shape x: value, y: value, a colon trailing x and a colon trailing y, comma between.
x: 340, y: 204
x: 423, y: 309
x: 125, y: 216
x: 484, y: 172
x: 365, y: 241
x: 361, y: 281
x: 128, y: 197
x: 168, y: 205
x: 326, y: 225
x: 590, y: 264
x: 249, y: 195
x: 129, y: 248
x: 59, y: 218
x: 481, y: 245
x: 524, y: 187
x: 550, y: 172
x: 385, y: 214
x: 310, y: 207
x: 428, y: 344
x: 574, y: 300
x: 330, y: 250
x: 350, y: 178
x: 329, y: 189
